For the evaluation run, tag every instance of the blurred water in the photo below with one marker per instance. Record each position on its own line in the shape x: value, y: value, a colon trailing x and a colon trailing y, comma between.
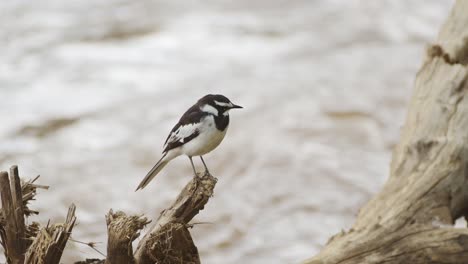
x: 90, y: 90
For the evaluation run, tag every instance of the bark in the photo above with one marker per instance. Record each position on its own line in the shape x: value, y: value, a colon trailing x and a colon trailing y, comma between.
x: 169, y: 241
x: 91, y: 261
x: 48, y: 246
x: 411, y: 219
x: 13, y: 233
x: 28, y: 243
x: 122, y: 231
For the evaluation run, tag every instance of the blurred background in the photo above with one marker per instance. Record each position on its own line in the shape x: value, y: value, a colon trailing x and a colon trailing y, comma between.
x: 90, y: 89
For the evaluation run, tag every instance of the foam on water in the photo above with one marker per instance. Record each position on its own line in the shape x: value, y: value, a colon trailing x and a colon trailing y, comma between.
x: 90, y: 90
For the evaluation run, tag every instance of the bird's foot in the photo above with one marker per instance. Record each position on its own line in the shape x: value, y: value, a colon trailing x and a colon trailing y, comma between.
x: 207, y: 173
x: 204, y: 183
x: 197, y: 175
x: 207, y: 187
x: 207, y: 183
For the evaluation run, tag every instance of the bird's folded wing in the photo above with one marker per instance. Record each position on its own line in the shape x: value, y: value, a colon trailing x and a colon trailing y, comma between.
x: 186, y: 129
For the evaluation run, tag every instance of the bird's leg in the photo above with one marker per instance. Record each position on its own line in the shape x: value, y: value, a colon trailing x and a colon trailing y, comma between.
x: 193, y: 167
x: 206, y: 168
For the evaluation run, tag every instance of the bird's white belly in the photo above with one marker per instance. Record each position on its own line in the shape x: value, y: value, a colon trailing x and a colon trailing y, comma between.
x: 208, y: 139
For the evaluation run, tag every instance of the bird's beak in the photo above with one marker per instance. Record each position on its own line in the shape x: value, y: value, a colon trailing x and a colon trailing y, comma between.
x: 236, y: 106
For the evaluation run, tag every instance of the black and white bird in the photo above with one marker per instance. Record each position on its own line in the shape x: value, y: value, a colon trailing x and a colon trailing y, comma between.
x: 200, y: 130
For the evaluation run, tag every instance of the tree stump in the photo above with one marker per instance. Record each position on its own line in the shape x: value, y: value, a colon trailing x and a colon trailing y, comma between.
x: 122, y: 230
x: 411, y: 220
x: 169, y: 241
x: 48, y: 246
x: 13, y: 233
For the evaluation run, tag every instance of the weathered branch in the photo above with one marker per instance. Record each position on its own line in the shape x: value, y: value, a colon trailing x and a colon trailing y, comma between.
x: 18, y: 208
x: 13, y: 227
x: 50, y: 242
x: 122, y: 231
x: 169, y: 241
x: 16, y: 237
x: 410, y: 220
x: 91, y: 261
x: 29, y: 189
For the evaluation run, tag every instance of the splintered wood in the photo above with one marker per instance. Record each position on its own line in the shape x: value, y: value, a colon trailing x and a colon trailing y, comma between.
x: 122, y: 231
x: 411, y: 219
x: 48, y: 246
x: 169, y: 241
x: 13, y: 227
x: 28, y: 244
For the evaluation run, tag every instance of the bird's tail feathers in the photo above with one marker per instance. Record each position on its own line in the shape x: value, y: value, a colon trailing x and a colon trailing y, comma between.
x: 154, y: 171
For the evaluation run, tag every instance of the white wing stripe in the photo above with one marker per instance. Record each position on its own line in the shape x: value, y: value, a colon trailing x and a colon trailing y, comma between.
x: 182, y: 132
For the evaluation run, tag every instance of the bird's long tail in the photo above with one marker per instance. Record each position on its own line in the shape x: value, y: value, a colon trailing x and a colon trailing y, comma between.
x: 154, y: 171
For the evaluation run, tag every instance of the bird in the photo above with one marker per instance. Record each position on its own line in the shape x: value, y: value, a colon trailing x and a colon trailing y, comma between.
x: 199, y: 131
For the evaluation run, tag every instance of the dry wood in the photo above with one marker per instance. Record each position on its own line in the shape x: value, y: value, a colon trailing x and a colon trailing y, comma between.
x: 18, y: 209
x: 13, y: 227
x: 48, y: 246
x: 16, y: 237
x: 411, y: 219
x: 169, y: 241
x: 91, y: 261
x: 122, y: 231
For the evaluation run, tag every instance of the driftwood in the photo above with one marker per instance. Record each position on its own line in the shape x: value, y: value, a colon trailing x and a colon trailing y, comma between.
x: 411, y: 220
x: 169, y: 241
x: 50, y: 242
x: 28, y: 244
x: 122, y: 230
x: 13, y: 233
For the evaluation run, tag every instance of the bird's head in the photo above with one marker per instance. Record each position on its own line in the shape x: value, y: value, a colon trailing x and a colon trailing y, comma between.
x: 216, y: 104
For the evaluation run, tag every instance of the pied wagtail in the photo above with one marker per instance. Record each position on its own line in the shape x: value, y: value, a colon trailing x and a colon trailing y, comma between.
x: 200, y: 130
